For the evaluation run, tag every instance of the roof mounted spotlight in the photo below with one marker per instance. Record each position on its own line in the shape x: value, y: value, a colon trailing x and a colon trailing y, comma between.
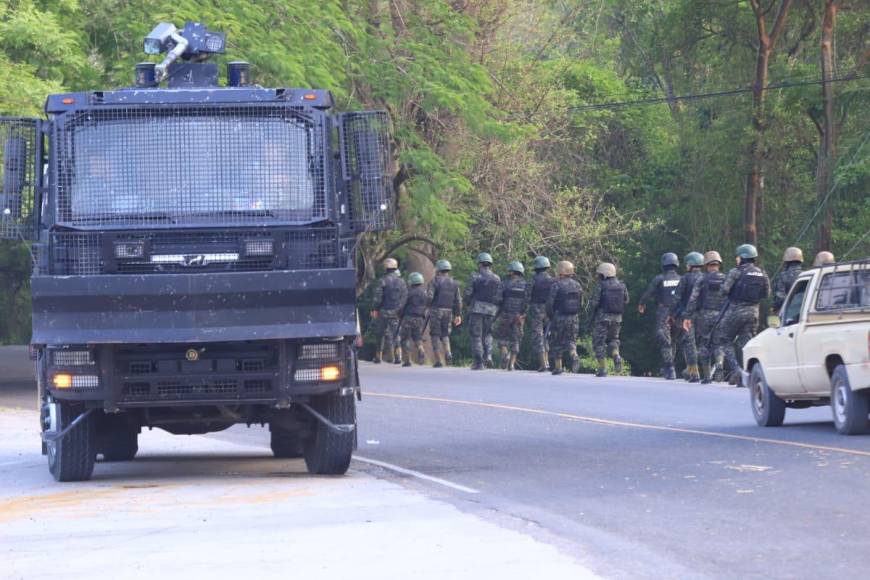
x: 194, y: 42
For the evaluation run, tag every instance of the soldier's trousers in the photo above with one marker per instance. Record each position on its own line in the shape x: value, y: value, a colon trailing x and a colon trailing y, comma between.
x: 387, y: 331
x: 605, y: 335
x: 480, y: 329
x: 738, y: 325
x: 440, y: 326
x: 509, y: 331
x: 412, y: 339
x: 689, y: 344
x: 703, y: 326
x: 666, y: 334
x: 538, y: 324
x: 563, y: 335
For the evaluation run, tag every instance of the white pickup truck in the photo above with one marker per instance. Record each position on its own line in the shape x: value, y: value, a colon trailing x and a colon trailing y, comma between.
x: 818, y: 353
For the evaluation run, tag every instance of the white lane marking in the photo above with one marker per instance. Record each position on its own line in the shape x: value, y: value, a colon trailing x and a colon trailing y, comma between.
x: 416, y: 474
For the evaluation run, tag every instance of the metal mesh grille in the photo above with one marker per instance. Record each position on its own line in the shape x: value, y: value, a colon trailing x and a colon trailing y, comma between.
x: 174, y: 389
x: 366, y: 167
x: 189, y: 164
x: 326, y: 352
x: 17, y: 149
x: 312, y: 249
x: 64, y: 358
x: 76, y: 254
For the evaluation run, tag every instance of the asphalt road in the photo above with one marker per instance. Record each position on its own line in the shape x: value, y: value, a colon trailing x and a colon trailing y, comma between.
x: 639, y: 478
x: 636, y: 477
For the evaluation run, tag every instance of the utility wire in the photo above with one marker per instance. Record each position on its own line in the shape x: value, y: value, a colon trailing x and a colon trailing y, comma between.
x: 858, y: 243
x: 725, y: 93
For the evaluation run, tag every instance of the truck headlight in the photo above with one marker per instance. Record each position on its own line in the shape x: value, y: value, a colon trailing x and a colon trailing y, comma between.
x: 259, y: 247
x: 130, y: 249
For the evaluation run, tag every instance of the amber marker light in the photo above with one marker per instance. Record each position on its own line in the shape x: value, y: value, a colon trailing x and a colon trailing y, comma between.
x: 68, y: 101
x: 310, y: 97
x: 330, y: 373
x: 62, y: 381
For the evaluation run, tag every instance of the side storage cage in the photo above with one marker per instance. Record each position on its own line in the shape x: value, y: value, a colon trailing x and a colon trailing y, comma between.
x: 366, y: 169
x: 19, y: 143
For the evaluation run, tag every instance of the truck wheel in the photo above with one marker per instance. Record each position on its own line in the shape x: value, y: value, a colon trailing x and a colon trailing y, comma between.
x: 286, y: 444
x: 850, y: 408
x: 767, y: 408
x: 72, y: 457
x: 327, y: 452
x: 120, y: 444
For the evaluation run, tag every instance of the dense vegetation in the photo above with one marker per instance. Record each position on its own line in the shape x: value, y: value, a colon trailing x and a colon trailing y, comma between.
x: 496, y: 145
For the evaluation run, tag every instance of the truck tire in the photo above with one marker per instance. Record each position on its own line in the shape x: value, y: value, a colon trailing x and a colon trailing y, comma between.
x: 120, y: 444
x: 767, y: 408
x: 849, y: 408
x: 327, y: 452
x: 286, y: 444
x: 72, y: 457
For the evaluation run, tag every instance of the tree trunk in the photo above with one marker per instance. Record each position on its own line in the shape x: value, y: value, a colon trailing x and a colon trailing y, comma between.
x: 755, y: 175
x: 825, y: 168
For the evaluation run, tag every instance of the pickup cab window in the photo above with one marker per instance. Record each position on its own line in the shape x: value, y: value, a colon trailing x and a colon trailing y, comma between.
x: 839, y: 290
x: 791, y: 314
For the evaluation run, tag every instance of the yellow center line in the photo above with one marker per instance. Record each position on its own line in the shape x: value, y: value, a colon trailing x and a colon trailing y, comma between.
x: 628, y: 424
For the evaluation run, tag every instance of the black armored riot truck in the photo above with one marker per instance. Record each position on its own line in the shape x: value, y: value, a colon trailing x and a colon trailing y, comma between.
x: 194, y: 256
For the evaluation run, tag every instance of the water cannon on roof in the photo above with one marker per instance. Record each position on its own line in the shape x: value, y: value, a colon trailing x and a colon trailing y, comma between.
x: 194, y: 42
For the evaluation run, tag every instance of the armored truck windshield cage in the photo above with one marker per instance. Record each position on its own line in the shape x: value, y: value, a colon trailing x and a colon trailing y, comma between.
x: 18, y: 144
x: 176, y: 164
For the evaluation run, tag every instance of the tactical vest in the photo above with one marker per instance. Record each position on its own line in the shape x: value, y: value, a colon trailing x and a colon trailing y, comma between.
x: 512, y: 299
x: 541, y: 286
x: 686, y: 290
x: 392, y: 292
x: 749, y: 288
x: 612, y: 296
x: 567, y: 300
x: 445, y: 292
x: 416, y: 304
x: 712, y: 297
x: 486, y: 288
x: 667, y: 286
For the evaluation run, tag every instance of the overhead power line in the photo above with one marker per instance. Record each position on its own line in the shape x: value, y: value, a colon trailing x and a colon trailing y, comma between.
x: 724, y: 93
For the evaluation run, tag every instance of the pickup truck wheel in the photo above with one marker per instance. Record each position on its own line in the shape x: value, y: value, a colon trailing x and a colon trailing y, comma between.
x: 120, y: 444
x: 72, y: 457
x: 767, y: 408
x: 850, y: 408
x: 327, y: 452
x: 286, y: 444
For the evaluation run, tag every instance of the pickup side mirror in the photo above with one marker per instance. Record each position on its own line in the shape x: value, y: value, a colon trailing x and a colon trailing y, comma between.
x: 366, y: 169
x: 18, y: 141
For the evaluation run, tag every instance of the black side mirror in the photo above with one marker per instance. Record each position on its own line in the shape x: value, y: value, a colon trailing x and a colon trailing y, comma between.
x: 14, y: 177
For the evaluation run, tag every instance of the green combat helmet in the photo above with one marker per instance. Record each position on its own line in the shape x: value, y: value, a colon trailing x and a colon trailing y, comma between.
x: 415, y: 278
x: 694, y: 259
x: 484, y: 258
x: 516, y: 266
x: 443, y: 266
x: 746, y: 252
x: 606, y: 270
x: 541, y: 263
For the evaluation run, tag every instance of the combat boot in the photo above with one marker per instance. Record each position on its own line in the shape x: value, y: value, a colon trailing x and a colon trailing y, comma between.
x: 377, y: 359
x: 670, y: 372
x: 437, y: 362
x: 557, y: 367
x: 716, y: 371
x: 694, y: 375
x: 602, y: 369
x: 397, y: 357
x: 617, y: 363
x: 421, y: 356
x: 488, y: 362
x: 706, y: 374
x: 477, y: 365
x: 448, y: 356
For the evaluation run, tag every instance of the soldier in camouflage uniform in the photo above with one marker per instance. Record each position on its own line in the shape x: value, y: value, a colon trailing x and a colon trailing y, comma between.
x: 538, y: 293
x: 608, y: 302
x: 512, y: 315
x: 694, y: 262
x: 746, y: 286
x: 413, y: 320
x: 445, y: 311
x: 387, y: 302
x: 482, y: 295
x: 563, y: 308
x: 703, y: 309
x: 792, y: 261
x: 662, y: 288
x: 824, y: 258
